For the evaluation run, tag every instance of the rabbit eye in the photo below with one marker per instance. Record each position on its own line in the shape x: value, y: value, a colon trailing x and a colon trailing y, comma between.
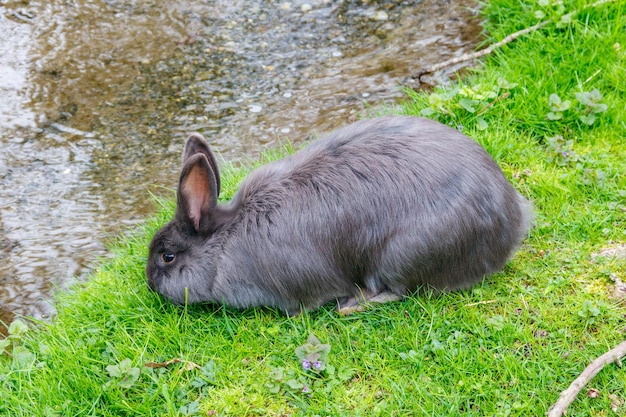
x: 168, y: 257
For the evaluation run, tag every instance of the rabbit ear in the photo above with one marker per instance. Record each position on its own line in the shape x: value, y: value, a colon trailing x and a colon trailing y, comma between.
x: 196, y: 143
x: 197, y: 193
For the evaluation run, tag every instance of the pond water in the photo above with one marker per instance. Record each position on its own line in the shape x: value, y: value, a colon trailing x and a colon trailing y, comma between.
x: 97, y: 97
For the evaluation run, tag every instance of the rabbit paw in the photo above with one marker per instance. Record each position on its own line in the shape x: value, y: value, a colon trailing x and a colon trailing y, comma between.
x: 360, y: 303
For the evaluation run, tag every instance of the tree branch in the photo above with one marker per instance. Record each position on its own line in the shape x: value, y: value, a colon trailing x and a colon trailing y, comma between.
x: 568, y: 396
x: 510, y: 38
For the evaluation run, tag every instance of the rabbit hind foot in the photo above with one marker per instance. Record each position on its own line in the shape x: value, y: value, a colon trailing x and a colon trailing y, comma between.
x: 361, y: 301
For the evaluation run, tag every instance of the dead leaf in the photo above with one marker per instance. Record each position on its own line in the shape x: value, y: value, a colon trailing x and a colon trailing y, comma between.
x: 619, y: 289
x: 593, y: 393
x: 156, y: 365
x: 616, y: 402
x: 189, y: 366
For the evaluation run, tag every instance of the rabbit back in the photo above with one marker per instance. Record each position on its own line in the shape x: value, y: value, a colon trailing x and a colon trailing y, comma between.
x: 389, y: 204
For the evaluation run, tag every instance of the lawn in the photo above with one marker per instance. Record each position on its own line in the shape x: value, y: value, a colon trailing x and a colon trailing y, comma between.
x: 550, y: 107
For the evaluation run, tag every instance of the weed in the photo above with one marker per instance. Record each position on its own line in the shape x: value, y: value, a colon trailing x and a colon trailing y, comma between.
x: 591, y: 106
x: 461, y: 101
x: 557, y: 107
x: 123, y: 374
x: 22, y: 356
x: 314, y: 374
x: 588, y: 106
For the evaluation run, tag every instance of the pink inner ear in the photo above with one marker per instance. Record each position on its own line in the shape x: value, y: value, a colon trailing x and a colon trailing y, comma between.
x: 196, y: 189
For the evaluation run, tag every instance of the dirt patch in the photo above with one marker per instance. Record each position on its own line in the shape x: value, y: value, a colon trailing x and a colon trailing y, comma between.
x: 5, y: 319
x: 617, y: 251
x: 614, y: 252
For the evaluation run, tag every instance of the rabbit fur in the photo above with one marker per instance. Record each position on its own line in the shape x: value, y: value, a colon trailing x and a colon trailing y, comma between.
x: 373, y: 212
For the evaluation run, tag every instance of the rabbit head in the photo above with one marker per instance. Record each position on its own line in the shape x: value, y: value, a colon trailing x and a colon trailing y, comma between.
x: 171, y: 269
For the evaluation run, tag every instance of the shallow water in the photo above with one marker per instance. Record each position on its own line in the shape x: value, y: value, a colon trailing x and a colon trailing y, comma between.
x: 97, y: 96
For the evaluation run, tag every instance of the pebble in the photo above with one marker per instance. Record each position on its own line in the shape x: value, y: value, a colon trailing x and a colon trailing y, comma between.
x: 380, y: 16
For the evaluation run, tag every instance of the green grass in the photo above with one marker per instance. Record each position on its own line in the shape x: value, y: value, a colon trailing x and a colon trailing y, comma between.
x: 507, y: 347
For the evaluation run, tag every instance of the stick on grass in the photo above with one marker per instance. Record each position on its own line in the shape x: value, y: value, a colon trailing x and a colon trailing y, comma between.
x: 510, y: 38
x: 568, y: 396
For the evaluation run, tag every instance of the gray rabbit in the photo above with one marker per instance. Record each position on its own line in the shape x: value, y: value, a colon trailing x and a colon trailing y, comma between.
x: 373, y: 212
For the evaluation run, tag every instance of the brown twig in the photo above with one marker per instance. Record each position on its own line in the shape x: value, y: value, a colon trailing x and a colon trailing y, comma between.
x: 568, y: 396
x: 510, y: 38
x: 482, y: 52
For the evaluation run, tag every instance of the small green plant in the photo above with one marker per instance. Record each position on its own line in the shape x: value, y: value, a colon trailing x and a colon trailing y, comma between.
x: 589, y: 311
x: 22, y: 356
x: 553, y: 10
x: 561, y: 151
x: 191, y: 409
x: 463, y: 100
x: 557, y: 107
x: 123, y: 374
x: 591, y: 106
x: 288, y: 380
x: 496, y: 322
x: 313, y: 355
x: 314, y: 371
x: 16, y: 330
x: 593, y: 176
x: 588, y: 106
x: 206, y: 377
